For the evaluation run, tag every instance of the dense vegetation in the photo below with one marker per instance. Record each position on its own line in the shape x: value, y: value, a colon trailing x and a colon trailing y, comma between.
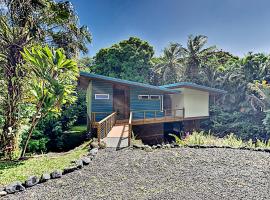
x: 39, y: 101
x: 25, y: 24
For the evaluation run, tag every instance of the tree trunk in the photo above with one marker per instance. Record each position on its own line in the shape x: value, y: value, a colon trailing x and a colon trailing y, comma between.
x: 12, y: 99
x: 34, y: 123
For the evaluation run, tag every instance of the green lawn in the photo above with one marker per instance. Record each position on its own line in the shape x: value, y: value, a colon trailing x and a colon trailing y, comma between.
x: 79, y: 128
x: 20, y: 170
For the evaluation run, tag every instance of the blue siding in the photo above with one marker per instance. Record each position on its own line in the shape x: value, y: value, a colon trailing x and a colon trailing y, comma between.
x: 102, y: 105
x: 139, y: 104
x: 106, y: 105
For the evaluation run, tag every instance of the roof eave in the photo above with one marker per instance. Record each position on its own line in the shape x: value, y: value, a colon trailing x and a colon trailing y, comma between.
x: 129, y: 83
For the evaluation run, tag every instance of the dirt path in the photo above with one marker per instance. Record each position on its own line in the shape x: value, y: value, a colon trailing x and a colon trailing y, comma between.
x: 181, y: 173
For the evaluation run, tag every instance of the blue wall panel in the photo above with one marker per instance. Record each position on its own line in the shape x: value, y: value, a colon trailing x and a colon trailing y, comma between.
x: 137, y: 104
x: 102, y: 105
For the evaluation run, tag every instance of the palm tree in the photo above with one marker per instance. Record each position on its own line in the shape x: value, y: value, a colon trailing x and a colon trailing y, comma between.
x: 23, y: 23
x: 194, y: 55
x: 169, y: 66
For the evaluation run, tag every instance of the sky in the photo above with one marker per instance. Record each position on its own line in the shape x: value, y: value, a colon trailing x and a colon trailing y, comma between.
x: 237, y: 26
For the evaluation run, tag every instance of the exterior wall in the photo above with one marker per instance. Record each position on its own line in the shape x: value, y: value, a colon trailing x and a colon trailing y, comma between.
x: 137, y: 104
x: 102, y: 105
x: 178, y: 103
x: 195, y: 102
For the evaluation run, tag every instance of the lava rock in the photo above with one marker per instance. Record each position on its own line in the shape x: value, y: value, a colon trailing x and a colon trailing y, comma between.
x: 166, y: 146
x: 14, y: 187
x: 159, y: 146
x: 138, y: 146
x: 56, y: 174
x: 3, y: 193
x: 102, y: 145
x: 93, y: 152
x: 94, y: 144
x: 79, y: 164
x: 70, y: 169
x: 147, y: 148
x: 86, y: 160
x: 45, y: 177
x: 31, y: 181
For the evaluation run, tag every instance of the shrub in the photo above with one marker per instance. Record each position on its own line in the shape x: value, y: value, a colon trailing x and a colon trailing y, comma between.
x: 231, y: 140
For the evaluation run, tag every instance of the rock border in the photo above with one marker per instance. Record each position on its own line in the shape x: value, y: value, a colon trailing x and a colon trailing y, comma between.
x: 174, y: 145
x: 32, y: 181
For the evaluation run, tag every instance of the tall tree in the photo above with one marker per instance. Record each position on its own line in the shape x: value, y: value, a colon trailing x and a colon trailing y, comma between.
x: 23, y: 23
x: 169, y: 66
x: 129, y: 59
x: 194, y: 55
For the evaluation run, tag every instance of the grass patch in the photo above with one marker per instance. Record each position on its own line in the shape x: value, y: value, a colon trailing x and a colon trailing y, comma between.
x: 79, y: 128
x: 202, y: 138
x: 20, y: 170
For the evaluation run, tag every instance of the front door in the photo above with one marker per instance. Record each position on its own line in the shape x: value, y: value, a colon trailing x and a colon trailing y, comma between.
x: 121, y: 102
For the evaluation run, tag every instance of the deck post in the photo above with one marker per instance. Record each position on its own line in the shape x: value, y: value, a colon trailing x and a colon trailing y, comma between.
x: 183, y: 113
x: 98, y: 133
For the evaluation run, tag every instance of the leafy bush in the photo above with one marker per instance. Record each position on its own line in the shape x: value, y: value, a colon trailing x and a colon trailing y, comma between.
x: 53, y: 132
x: 37, y: 143
x: 245, y: 125
x: 231, y: 140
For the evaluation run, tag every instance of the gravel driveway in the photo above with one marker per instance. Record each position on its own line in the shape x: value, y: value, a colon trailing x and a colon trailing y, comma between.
x: 181, y: 173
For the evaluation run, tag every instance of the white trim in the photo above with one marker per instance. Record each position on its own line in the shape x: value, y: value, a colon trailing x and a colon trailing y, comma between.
x: 155, y: 96
x: 161, y: 103
x: 97, y: 96
x: 141, y: 95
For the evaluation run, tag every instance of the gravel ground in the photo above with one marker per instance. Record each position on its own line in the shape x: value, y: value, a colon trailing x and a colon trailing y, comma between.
x: 181, y: 173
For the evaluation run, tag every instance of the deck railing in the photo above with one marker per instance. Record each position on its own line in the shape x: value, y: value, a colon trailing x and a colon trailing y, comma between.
x: 157, y: 114
x: 95, y: 115
x: 105, y: 126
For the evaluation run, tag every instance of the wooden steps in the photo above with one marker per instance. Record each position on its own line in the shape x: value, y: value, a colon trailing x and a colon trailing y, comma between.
x: 117, y: 137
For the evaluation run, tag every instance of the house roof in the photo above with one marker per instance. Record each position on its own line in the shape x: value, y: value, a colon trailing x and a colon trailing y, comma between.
x: 194, y: 86
x: 126, y: 82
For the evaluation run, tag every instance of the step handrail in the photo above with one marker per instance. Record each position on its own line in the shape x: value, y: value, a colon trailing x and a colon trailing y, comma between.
x: 105, y: 125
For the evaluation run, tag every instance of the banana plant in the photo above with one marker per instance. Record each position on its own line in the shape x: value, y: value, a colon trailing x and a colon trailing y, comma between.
x: 52, y: 83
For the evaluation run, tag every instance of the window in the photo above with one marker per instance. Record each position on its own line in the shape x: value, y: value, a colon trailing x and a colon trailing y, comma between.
x: 154, y: 97
x: 143, y: 97
x: 102, y: 96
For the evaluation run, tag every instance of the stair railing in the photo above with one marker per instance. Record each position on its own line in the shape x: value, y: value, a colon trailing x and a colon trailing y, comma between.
x: 105, y: 126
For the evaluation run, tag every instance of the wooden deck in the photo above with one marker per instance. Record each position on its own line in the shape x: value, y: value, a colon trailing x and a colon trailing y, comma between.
x: 156, y: 120
x: 117, y: 133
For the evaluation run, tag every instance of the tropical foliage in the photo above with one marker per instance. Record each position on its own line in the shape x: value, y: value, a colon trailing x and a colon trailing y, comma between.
x: 51, y: 83
x: 129, y: 59
x: 23, y: 24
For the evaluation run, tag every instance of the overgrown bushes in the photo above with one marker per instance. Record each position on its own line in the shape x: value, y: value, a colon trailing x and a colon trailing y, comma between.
x: 231, y: 140
x: 56, y: 133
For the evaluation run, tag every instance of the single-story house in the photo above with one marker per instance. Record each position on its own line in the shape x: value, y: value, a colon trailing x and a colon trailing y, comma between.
x: 116, y: 107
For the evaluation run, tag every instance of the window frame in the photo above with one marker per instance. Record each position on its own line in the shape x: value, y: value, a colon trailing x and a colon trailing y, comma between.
x: 141, y: 95
x: 155, y: 95
x: 99, y: 98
